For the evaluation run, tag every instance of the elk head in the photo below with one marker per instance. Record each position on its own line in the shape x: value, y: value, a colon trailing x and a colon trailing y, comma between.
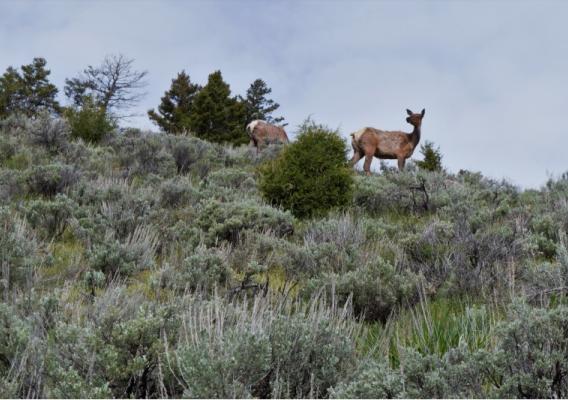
x: 415, y: 119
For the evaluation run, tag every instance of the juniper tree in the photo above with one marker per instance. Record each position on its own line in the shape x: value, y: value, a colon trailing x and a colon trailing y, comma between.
x: 28, y: 92
x: 258, y: 106
x: 174, y: 112
x: 432, y: 157
x: 216, y: 116
x: 311, y: 176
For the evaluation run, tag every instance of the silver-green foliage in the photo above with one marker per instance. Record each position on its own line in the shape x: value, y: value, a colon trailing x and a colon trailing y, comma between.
x: 265, y: 349
x: 226, y: 221
x: 20, y: 251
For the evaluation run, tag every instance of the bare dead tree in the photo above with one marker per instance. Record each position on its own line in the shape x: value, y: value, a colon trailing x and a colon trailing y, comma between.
x: 115, y: 85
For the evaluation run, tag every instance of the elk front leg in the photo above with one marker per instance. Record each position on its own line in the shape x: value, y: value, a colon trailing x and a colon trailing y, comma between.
x: 401, y: 162
x: 355, y: 159
x: 367, y: 165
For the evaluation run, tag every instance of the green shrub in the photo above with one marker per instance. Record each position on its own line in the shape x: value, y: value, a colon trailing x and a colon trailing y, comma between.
x: 49, y: 132
x: 141, y: 153
x: 90, y: 122
x: 118, y: 208
x: 114, y: 257
x: 7, y: 149
x: 311, y: 176
x: 232, y: 178
x: 206, y: 268
x: 20, y: 253
x: 227, y: 370
x: 113, y: 346
x: 267, y: 250
x: 14, y: 337
x: 192, y: 155
x: 401, y: 192
x: 11, y: 184
x: 376, y: 287
x: 225, y: 221
x: 531, y: 358
x: 50, y: 217
x: 48, y: 180
x: 175, y: 193
x: 277, y: 350
x: 545, y: 230
x: 372, y: 380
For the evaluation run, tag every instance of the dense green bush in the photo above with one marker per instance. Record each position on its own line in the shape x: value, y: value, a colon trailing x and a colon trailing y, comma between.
x: 311, y: 175
x: 90, y: 122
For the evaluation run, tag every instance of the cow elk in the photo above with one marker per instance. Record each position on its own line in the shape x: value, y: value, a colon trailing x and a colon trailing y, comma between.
x: 393, y: 145
x: 262, y: 133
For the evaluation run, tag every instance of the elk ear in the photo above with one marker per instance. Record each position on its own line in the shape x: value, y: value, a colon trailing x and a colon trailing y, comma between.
x: 408, y: 112
x: 423, y: 111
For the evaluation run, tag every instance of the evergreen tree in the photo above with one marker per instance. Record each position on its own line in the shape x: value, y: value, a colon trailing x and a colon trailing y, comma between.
x: 216, y: 116
x: 258, y: 106
x: 9, y: 91
x: 174, y: 111
x: 432, y: 157
x: 29, y: 92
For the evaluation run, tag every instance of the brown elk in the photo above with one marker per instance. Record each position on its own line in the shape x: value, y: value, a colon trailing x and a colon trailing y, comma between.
x: 371, y: 142
x: 262, y: 133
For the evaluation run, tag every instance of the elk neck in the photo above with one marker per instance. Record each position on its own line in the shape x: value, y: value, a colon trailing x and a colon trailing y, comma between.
x: 415, y: 136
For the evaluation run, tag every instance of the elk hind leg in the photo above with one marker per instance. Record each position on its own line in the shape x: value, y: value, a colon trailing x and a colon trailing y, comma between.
x: 401, y: 162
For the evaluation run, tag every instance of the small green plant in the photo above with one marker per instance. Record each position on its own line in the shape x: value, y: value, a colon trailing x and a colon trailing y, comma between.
x: 311, y: 176
x: 432, y: 157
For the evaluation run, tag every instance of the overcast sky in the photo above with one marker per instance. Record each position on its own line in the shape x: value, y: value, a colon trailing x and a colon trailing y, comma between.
x: 493, y: 76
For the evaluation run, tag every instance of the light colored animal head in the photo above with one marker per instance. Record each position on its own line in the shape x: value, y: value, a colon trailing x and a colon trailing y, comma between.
x: 252, y: 125
x: 415, y: 119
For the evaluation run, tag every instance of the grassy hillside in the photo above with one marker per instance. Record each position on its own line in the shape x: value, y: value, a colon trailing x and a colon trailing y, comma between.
x: 150, y: 266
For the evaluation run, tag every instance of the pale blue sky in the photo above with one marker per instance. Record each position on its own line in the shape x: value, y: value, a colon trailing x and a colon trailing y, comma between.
x: 493, y: 76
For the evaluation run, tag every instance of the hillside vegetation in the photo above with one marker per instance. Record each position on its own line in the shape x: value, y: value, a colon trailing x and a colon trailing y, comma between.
x: 151, y: 265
